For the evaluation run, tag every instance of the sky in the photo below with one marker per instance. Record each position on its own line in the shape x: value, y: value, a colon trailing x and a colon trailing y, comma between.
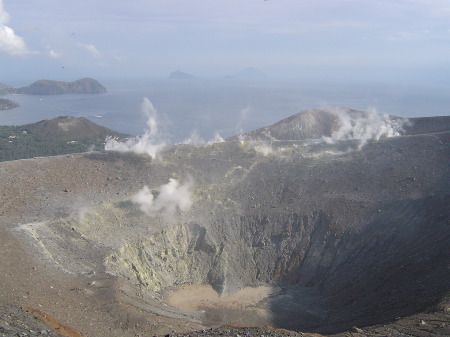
x: 336, y: 39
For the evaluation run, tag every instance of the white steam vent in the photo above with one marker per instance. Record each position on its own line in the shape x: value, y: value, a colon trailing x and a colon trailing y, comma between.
x: 196, y: 139
x: 171, y: 197
x: 151, y: 143
x: 365, y: 126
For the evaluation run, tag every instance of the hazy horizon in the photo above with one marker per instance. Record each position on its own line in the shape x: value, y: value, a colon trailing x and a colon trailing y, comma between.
x: 403, y: 41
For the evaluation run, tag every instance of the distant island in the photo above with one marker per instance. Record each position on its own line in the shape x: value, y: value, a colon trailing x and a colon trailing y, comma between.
x: 6, y: 89
x: 3, y: 86
x: 7, y: 104
x: 51, y: 87
x: 179, y: 75
x: 60, y: 135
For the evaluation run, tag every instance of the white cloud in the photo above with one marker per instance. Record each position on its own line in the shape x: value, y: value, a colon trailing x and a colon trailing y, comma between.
x: 118, y: 58
x: 91, y: 49
x: 286, y: 36
x: 10, y: 43
x: 54, y: 54
x: 4, y: 16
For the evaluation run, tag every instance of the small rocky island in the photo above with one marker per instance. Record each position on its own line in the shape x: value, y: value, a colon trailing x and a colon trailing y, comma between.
x: 7, y: 104
x: 180, y: 75
x: 51, y: 87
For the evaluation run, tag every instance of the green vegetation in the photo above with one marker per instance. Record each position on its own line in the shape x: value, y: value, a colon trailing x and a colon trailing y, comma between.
x: 40, y: 139
x: 16, y: 143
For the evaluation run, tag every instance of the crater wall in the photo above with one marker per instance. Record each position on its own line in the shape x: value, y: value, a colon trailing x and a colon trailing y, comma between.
x: 363, y: 233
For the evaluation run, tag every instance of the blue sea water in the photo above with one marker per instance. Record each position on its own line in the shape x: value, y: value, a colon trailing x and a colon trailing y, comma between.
x: 226, y: 106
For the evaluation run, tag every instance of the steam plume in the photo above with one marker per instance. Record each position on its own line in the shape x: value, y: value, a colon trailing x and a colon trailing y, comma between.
x: 263, y: 148
x: 217, y: 138
x: 242, y: 117
x: 195, y: 139
x: 365, y: 126
x: 151, y: 142
x: 171, y: 197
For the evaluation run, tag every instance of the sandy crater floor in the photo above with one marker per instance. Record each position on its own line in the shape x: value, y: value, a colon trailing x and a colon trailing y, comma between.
x: 195, y: 297
x: 250, y: 306
x: 247, y: 303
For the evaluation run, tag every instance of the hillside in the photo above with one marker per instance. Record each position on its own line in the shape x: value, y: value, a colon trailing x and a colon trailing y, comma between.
x: 7, y: 104
x: 51, y: 87
x: 324, y: 237
x: 345, y: 123
x: 4, y: 86
x: 61, y: 135
x: 6, y: 89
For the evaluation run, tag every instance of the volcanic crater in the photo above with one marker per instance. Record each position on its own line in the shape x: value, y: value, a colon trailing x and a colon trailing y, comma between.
x: 317, y: 237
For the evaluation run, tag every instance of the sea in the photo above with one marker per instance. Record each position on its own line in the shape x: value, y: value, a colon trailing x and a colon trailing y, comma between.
x: 224, y: 106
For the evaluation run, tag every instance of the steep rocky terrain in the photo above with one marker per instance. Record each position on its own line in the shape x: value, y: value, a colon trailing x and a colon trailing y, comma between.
x: 319, y: 123
x: 320, y: 237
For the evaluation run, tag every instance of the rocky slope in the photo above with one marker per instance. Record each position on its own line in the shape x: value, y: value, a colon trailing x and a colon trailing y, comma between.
x: 332, y: 237
x: 323, y: 123
x: 15, y: 321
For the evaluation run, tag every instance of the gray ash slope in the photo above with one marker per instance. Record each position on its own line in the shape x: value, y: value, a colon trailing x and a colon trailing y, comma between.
x: 16, y: 321
x: 318, y: 123
x: 350, y: 237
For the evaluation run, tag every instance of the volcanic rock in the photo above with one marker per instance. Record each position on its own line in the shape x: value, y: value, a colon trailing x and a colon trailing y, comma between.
x: 320, y: 123
x: 309, y: 236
